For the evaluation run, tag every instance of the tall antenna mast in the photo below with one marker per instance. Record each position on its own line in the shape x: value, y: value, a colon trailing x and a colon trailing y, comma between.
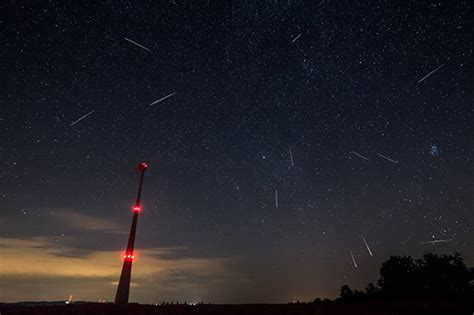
x: 123, y: 289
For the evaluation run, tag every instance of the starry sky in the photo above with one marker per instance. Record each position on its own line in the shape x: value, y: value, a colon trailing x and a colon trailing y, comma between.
x: 291, y: 131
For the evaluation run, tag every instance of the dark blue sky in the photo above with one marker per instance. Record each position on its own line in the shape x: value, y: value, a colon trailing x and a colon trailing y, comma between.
x: 378, y: 150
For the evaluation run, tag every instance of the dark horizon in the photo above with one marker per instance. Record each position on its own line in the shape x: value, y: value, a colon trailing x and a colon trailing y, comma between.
x: 293, y: 146
x: 405, y: 279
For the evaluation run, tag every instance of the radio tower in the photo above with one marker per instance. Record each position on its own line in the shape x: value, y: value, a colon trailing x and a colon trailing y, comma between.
x: 124, y: 283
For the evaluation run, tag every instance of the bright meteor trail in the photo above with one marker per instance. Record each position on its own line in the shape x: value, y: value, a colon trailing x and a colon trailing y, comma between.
x: 367, y: 245
x: 353, y: 260
x: 387, y: 158
x: 296, y: 38
x: 437, y: 241
x: 162, y: 99
x: 75, y: 122
x: 429, y: 74
x: 359, y: 155
x: 276, y: 198
x: 137, y: 44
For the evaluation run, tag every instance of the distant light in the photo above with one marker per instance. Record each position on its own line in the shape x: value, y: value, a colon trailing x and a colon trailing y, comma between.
x: 137, y: 208
x: 142, y: 166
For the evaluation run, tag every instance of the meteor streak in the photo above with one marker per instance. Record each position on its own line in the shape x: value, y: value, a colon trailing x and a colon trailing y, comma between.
x: 296, y: 38
x: 291, y: 157
x: 162, y: 99
x: 429, y: 74
x: 276, y: 198
x: 353, y: 260
x: 359, y: 155
x: 367, y: 245
x: 75, y: 122
x: 437, y: 241
x: 137, y: 44
x: 387, y: 158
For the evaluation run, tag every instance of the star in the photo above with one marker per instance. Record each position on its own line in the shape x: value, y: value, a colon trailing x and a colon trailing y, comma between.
x: 434, y: 150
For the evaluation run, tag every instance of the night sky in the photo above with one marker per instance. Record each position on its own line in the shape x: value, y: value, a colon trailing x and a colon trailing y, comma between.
x: 296, y: 129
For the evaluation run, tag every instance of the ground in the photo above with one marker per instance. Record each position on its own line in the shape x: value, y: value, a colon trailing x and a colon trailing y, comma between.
x: 369, y: 307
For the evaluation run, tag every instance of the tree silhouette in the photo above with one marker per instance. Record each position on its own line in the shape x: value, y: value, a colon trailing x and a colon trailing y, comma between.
x: 443, y: 275
x: 346, y: 292
x: 317, y: 301
x: 398, y: 276
x: 432, y: 276
x: 371, y: 290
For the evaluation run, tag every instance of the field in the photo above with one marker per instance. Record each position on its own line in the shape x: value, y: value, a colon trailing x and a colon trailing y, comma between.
x: 367, y: 308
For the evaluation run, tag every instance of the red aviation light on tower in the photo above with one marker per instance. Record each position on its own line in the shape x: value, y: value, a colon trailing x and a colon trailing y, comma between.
x: 137, y: 208
x: 129, y: 256
x: 142, y: 166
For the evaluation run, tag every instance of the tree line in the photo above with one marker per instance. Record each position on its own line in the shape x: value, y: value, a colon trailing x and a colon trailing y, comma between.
x: 432, y: 276
x: 402, y: 277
